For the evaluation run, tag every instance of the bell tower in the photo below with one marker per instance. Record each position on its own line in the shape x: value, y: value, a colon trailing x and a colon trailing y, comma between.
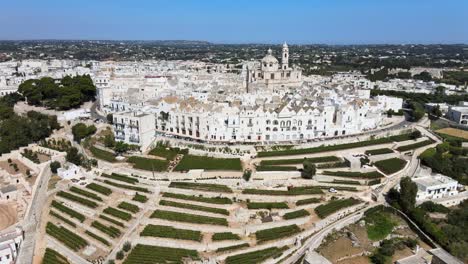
x: 285, y: 57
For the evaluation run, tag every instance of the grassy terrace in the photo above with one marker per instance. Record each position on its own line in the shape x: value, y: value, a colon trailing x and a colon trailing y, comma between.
x: 206, y: 187
x: 129, y: 207
x: 53, y: 257
x: 338, y: 188
x: 276, y: 233
x: 99, y: 188
x: 86, y: 193
x: 108, y: 230
x: 267, y: 205
x: 351, y: 174
x: 403, y: 137
x: 148, y: 164
x: 171, y: 232
x: 239, y: 246
x: 60, y: 217
x: 188, y: 218
x: 212, y: 200
x: 128, y: 187
x: 78, y: 199
x: 111, y: 220
x: 102, y: 154
x: 296, y: 214
x: 67, y: 237
x: 390, y: 166
x: 299, y: 161
x: 167, y: 152
x: 140, y: 198
x: 346, y: 182
x: 308, y: 201
x: 276, y: 168
x: 117, y: 213
x: 379, y: 223
x: 98, y: 238
x: 333, y: 206
x: 225, y: 236
x: 255, y: 257
x: 324, y: 148
x: 144, y: 254
x: 120, y: 177
x: 64, y: 209
x: 379, y: 151
x: 190, y: 162
x: 194, y: 207
x: 306, y: 190
x: 415, y: 145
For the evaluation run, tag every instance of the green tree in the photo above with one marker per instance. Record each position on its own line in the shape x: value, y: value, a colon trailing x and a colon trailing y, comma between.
x: 408, y: 191
x: 110, y: 118
x: 81, y: 131
x: 109, y: 141
x: 120, y: 147
x: 309, y: 169
x: 74, y: 156
x: 54, y: 166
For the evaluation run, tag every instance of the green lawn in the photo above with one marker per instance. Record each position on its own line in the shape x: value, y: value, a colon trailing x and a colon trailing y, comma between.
x: 144, y: 254
x: 299, y: 161
x: 255, y: 257
x: 296, y: 214
x: 267, y: 205
x: 352, y: 174
x: 191, y: 162
x: 390, y: 166
x: 415, y: 145
x: 167, y: 152
x: 225, y: 236
x: 201, y: 199
x: 171, y: 232
x: 379, y: 224
x: 306, y: 190
x: 148, y: 164
x: 206, y: 187
x: 102, y: 154
x: 188, y: 218
x: 333, y: 206
x: 276, y: 233
x: 379, y: 151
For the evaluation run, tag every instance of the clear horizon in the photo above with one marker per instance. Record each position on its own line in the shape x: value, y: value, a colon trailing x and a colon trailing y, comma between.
x: 334, y: 22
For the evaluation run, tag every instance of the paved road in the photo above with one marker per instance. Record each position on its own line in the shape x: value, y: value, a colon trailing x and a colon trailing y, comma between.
x: 33, y: 219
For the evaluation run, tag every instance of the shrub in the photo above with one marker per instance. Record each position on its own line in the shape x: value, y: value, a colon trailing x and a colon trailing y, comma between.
x: 254, y: 257
x: 127, y: 246
x: 306, y: 190
x: 229, y: 248
x: 120, y: 255
x: 108, y: 230
x: 54, y: 166
x: 128, y: 187
x: 275, y: 168
x: 53, y: 257
x: 98, y: 238
x: 110, y: 220
x: 299, y: 161
x: 65, y: 220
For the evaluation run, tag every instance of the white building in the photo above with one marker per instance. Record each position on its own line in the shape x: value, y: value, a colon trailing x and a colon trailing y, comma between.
x: 8, y: 193
x: 390, y: 102
x: 435, y: 187
x: 10, y: 242
x: 459, y: 114
x: 135, y: 128
x: 69, y: 171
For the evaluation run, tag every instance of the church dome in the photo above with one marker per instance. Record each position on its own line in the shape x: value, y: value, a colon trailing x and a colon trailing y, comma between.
x: 269, y: 58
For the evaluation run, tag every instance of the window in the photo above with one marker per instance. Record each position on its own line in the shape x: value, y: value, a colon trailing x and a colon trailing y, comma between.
x: 272, y: 76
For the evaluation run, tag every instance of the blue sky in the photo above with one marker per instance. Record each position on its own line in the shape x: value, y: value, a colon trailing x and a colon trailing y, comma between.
x: 239, y: 21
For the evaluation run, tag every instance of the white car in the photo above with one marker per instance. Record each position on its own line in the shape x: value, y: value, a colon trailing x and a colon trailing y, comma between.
x: 332, y: 190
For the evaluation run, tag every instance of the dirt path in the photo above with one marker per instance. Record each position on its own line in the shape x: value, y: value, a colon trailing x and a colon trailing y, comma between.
x: 8, y: 215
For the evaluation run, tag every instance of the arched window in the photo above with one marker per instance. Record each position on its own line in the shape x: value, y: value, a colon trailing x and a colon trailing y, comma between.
x: 268, y: 122
x: 275, y: 122
x: 282, y: 123
x: 275, y: 129
x: 309, y: 122
x: 288, y: 123
x: 268, y: 129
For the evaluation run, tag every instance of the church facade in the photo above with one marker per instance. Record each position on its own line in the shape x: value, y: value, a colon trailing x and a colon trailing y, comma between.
x: 273, y: 73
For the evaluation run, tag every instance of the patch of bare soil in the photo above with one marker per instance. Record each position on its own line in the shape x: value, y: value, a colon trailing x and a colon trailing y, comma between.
x: 8, y: 215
